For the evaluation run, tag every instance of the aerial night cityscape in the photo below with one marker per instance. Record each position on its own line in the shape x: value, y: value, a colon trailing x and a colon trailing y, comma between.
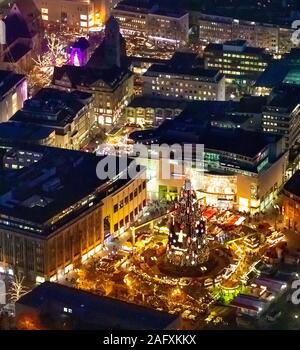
x: 149, y: 167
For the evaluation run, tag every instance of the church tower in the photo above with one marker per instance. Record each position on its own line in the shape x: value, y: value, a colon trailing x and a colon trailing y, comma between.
x: 112, y: 42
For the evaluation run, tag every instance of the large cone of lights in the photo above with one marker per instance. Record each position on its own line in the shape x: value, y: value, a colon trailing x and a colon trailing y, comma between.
x: 187, y: 246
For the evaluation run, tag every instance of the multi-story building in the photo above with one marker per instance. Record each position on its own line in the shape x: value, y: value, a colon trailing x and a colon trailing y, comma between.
x: 236, y: 60
x: 218, y: 29
x: 152, y: 111
x: 150, y: 19
x: 62, y: 212
x: 111, y: 88
x: 183, y: 78
x: 69, y: 114
x: 291, y: 202
x: 13, y: 93
x: 238, y: 168
x: 281, y: 115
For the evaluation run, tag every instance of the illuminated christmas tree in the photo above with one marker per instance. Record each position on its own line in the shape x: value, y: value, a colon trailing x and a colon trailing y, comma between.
x: 187, y: 246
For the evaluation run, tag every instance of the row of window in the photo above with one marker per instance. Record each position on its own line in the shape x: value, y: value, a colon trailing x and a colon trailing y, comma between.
x: 184, y: 96
x: 176, y: 83
x: 184, y: 91
x: 129, y: 217
x: 130, y: 197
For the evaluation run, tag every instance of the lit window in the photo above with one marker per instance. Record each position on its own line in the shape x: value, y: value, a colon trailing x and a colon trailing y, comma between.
x: 40, y: 279
x: 67, y: 310
x: 14, y: 103
x: 83, y: 24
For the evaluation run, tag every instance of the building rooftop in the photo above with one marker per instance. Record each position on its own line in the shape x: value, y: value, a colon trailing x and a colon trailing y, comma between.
x: 153, y: 7
x: 16, y: 52
x: 53, y: 107
x: 168, y: 12
x: 284, y: 97
x: 274, y: 75
x: 193, y: 125
x: 235, y: 141
x: 8, y: 80
x: 16, y: 28
x: 22, y: 132
x: 82, y: 44
x: 135, y: 59
x: 272, y: 13
x: 184, y: 63
x: 293, y: 185
x: 198, y: 113
x: 181, y: 70
x: 57, y: 186
x: 90, y: 77
x: 285, y: 70
x: 268, y: 12
x: 249, y: 302
x: 27, y: 8
x: 272, y: 285
x: 106, y: 313
x: 156, y: 102
x: 236, y: 46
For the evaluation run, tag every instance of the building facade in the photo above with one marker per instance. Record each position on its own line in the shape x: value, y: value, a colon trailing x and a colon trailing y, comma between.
x: 218, y: 29
x: 183, y: 79
x: 281, y: 114
x: 236, y: 60
x: 151, y: 20
x: 76, y: 14
x: 221, y: 184
x: 291, y: 202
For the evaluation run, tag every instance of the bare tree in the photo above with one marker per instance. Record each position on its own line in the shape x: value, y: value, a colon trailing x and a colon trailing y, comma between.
x: 17, y: 289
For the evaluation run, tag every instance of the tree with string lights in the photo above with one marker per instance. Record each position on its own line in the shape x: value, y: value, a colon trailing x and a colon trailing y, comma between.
x: 187, y: 245
x: 17, y: 289
x: 44, y: 64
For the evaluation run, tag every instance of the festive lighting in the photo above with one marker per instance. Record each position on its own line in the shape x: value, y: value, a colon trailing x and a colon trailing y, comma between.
x: 17, y: 289
x: 186, y: 245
